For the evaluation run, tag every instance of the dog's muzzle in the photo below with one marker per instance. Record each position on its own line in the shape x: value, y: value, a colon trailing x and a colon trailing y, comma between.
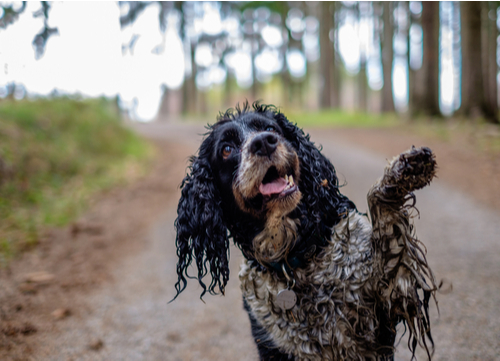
x: 268, y: 174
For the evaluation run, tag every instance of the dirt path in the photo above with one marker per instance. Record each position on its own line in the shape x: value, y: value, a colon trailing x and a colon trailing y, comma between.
x: 112, y: 273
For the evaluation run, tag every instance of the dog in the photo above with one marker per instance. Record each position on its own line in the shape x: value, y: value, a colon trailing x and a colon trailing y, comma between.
x: 320, y: 281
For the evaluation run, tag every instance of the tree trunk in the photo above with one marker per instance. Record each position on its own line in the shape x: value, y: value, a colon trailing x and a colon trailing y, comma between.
x: 411, y: 91
x: 327, y: 54
x: 416, y: 80
x: 285, y: 78
x: 255, y: 83
x: 164, y: 111
x: 337, y: 81
x: 474, y: 101
x: 362, y: 87
x: 411, y: 72
x: 457, y: 54
x: 363, y: 10
x: 387, y: 58
x: 429, y: 99
x: 202, y: 102
x: 228, y: 90
x: 189, y: 93
x: 491, y: 55
x: 285, y: 74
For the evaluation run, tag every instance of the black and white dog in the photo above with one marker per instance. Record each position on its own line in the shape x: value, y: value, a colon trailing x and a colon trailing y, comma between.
x: 319, y: 280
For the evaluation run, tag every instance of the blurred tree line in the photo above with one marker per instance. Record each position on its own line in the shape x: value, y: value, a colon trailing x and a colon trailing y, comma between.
x: 301, y: 42
x: 396, y: 28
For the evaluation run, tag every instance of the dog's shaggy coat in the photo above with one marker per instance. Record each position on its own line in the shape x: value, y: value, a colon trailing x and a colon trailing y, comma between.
x: 259, y: 180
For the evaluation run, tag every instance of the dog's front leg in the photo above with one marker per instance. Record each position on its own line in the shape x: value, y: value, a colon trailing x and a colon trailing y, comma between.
x: 400, y: 265
x: 387, y: 199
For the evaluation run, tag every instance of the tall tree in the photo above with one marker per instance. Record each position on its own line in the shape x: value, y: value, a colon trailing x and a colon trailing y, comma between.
x: 337, y: 81
x: 490, y: 54
x: 474, y: 100
x: 412, y: 19
x: 327, y: 58
x: 426, y: 99
x: 387, y: 57
x: 189, y: 90
x: 363, y: 11
x: 253, y: 37
x: 285, y: 74
x: 296, y: 34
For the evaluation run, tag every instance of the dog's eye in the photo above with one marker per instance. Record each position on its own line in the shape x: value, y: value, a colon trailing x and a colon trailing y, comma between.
x: 270, y: 129
x: 226, y: 151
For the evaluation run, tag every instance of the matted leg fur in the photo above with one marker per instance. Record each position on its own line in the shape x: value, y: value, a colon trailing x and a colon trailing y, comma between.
x: 406, y: 281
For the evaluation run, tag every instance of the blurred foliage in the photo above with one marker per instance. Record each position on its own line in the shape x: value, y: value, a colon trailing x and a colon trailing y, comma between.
x: 41, y: 38
x: 10, y: 13
x: 134, y: 10
x: 280, y: 7
x: 54, y: 155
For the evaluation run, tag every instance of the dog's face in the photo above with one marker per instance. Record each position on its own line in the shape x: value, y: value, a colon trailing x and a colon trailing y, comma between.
x: 254, y: 166
x: 257, y: 164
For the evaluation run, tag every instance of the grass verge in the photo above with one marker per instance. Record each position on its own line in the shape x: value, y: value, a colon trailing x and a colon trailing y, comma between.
x: 340, y: 118
x: 483, y: 137
x: 477, y: 134
x: 54, y: 155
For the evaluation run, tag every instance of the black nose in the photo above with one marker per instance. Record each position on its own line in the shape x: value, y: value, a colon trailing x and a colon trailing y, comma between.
x: 264, y: 144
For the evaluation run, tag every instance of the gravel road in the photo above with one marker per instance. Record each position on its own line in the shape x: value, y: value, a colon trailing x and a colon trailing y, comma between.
x: 131, y: 319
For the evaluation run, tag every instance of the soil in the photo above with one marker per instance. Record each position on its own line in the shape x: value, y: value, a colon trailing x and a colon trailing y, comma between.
x: 99, y: 288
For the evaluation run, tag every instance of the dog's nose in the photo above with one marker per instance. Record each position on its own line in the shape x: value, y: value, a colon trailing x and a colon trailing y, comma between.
x: 264, y: 144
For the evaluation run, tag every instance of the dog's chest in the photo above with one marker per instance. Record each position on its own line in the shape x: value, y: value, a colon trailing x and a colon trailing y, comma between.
x: 333, y: 317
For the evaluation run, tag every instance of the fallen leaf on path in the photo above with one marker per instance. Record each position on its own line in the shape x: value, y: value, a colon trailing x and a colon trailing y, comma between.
x: 61, y: 313
x: 28, y: 288
x: 39, y: 277
x: 96, y: 345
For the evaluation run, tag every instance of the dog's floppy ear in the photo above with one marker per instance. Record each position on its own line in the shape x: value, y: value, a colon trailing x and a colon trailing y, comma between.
x: 318, y: 179
x: 201, y: 232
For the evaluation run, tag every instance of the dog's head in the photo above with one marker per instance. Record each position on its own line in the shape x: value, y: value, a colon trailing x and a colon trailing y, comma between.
x: 253, y: 167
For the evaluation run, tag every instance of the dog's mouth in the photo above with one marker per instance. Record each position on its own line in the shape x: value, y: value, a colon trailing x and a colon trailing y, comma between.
x: 275, y: 186
x: 268, y: 185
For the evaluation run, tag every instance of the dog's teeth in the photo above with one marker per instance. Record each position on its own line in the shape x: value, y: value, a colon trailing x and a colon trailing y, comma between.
x: 290, y: 179
x: 286, y: 177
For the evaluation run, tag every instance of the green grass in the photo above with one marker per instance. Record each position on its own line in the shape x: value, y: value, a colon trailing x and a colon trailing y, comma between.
x: 483, y: 136
x: 54, y: 156
x: 477, y: 134
x: 339, y: 118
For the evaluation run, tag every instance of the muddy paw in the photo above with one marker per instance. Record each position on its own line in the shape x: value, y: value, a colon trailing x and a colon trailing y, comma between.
x: 412, y: 170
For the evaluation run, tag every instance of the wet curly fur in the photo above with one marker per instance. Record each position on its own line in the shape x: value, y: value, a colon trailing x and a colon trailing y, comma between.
x: 355, y: 280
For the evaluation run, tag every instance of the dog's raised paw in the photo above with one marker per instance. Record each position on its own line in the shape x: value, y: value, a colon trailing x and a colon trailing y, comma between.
x: 413, y: 169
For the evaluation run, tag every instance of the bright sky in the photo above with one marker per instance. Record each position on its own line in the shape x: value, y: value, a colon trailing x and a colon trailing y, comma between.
x: 86, y: 57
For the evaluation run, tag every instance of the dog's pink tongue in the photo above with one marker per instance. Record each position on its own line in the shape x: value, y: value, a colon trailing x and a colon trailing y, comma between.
x: 274, y: 187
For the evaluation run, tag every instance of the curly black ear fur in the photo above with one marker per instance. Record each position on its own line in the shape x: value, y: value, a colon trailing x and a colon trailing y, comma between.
x: 201, y: 232
x: 318, y: 179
